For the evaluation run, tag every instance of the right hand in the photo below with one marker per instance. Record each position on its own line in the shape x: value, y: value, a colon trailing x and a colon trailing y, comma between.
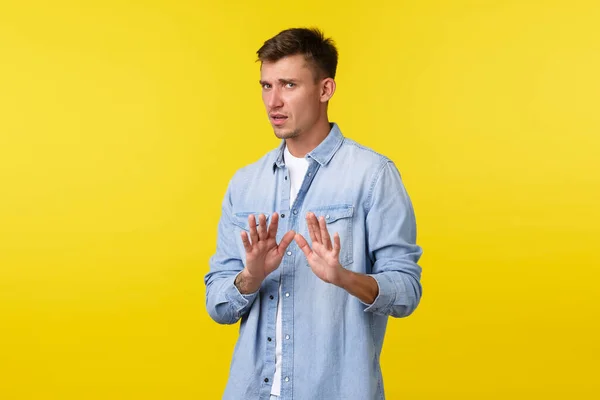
x: 263, y: 254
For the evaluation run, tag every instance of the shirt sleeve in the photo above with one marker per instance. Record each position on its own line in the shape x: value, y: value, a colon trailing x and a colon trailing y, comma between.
x: 224, y: 302
x: 392, y: 248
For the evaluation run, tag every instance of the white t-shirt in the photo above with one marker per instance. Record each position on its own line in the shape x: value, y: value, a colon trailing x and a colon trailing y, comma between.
x: 297, y: 168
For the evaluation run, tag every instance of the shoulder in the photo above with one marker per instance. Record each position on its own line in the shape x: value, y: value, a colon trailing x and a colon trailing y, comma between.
x: 363, y: 157
x: 375, y: 169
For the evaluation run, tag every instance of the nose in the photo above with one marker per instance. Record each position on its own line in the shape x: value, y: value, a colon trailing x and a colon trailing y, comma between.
x: 274, y: 99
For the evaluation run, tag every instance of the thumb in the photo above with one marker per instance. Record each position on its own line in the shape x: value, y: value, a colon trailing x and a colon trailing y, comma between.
x: 285, y: 241
x: 303, y: 244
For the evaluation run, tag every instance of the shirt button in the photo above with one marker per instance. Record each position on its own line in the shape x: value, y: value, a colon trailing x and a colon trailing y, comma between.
x: 287, y: 379
x: 327, y: 216
x: 289, y: 253
x: 287, y: 337
x: 310, y: 174
x: 271, y: 297
x: 295, y: 212
x: 269, y: 339
x: 267, y: 380
x: 282, y: 215
x: 287, y: 295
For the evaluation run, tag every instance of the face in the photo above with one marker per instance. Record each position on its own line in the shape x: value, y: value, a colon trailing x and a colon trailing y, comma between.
x: 293, y: 100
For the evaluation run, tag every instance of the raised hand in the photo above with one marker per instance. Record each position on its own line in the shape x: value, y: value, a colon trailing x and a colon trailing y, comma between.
x: 263, y: 254
x: 323, y: 258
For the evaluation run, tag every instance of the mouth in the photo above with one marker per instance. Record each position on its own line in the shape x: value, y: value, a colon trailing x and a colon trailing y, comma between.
x: 278, y: 119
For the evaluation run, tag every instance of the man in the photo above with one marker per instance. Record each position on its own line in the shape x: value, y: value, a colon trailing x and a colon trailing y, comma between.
x: 313, y: 307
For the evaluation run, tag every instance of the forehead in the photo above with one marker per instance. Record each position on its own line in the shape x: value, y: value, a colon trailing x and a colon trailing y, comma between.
x: 290, y: 67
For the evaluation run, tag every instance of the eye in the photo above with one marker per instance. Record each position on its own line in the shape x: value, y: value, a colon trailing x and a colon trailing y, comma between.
x: 290, y: 85
x: 266, y: 86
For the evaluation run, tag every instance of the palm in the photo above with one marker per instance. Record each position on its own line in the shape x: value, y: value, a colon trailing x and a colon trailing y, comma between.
x: 323, y: 262
x: 323, y: 258
x: 265, y: 252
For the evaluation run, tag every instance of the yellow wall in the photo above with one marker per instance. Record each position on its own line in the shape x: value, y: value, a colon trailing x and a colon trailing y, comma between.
x: 122, y: 121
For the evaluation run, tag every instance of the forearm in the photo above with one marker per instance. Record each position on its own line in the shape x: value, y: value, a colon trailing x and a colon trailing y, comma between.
x: 362, y: 286
x: 224, y: 301
x: 399, y: 294
x: 393, y: 293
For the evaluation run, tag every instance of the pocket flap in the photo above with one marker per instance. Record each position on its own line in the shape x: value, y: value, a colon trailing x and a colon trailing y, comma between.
x: 334, y: 212
x: 241, y: 219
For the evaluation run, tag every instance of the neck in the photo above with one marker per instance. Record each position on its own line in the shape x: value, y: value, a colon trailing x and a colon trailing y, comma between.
x: 308, y: 141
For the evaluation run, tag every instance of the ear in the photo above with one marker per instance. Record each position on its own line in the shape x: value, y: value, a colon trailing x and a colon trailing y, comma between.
x: 327, y: 89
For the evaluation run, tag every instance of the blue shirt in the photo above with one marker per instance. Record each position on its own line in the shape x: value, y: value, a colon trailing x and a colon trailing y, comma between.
x: 331, y: 340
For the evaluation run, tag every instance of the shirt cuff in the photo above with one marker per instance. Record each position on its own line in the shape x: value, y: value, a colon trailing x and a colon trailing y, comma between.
x: 385, y: 297
x: 238, y: 301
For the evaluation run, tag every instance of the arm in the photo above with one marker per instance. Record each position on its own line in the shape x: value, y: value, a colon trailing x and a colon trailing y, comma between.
x: 231, y: 287
x: 225, y: 303
x: 391, y: 240
x: 393, y: 287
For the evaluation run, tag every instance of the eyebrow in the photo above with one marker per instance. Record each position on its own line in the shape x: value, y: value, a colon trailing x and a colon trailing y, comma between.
x: 284, y: 81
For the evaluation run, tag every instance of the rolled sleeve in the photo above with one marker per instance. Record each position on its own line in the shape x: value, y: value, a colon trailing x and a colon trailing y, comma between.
x: 385, y: 296
x: 239, y: 302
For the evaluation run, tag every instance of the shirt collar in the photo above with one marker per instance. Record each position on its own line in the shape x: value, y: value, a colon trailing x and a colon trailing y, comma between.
x: 322, y: 154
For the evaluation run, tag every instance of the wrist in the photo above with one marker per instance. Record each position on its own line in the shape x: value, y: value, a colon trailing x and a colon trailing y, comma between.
x: 343, y: 279
x: 246, y: 283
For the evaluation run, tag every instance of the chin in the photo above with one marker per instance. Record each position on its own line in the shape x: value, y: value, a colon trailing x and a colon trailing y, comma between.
x: 286, y: 133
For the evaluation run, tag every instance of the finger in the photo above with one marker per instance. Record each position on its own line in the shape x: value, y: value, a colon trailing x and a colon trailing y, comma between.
x: 325, y: 239
x: 336, y: 244
x: 303, y: 244
x: 315, y: 224
x: 252, y: 227
x: 311, y: 233
x: 262, y: 227
x: 313, y: 227
x: 285, y: 241
x: 272, y: 232
x: 246, y: 242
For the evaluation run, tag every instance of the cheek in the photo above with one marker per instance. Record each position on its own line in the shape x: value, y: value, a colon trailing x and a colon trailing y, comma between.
x: 304, y: 107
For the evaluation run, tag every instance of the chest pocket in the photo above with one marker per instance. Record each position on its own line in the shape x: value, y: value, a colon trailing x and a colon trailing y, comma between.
x: 339, y: 219
x: 240, y: 219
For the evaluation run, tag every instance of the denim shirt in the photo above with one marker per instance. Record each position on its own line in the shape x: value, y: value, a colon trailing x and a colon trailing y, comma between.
x: 331, y: 340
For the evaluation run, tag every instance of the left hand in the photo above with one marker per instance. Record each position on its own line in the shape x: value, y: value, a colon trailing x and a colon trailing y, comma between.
x: 323, y: 258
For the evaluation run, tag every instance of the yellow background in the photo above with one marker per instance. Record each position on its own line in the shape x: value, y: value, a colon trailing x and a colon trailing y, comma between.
x: 122, y: 121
